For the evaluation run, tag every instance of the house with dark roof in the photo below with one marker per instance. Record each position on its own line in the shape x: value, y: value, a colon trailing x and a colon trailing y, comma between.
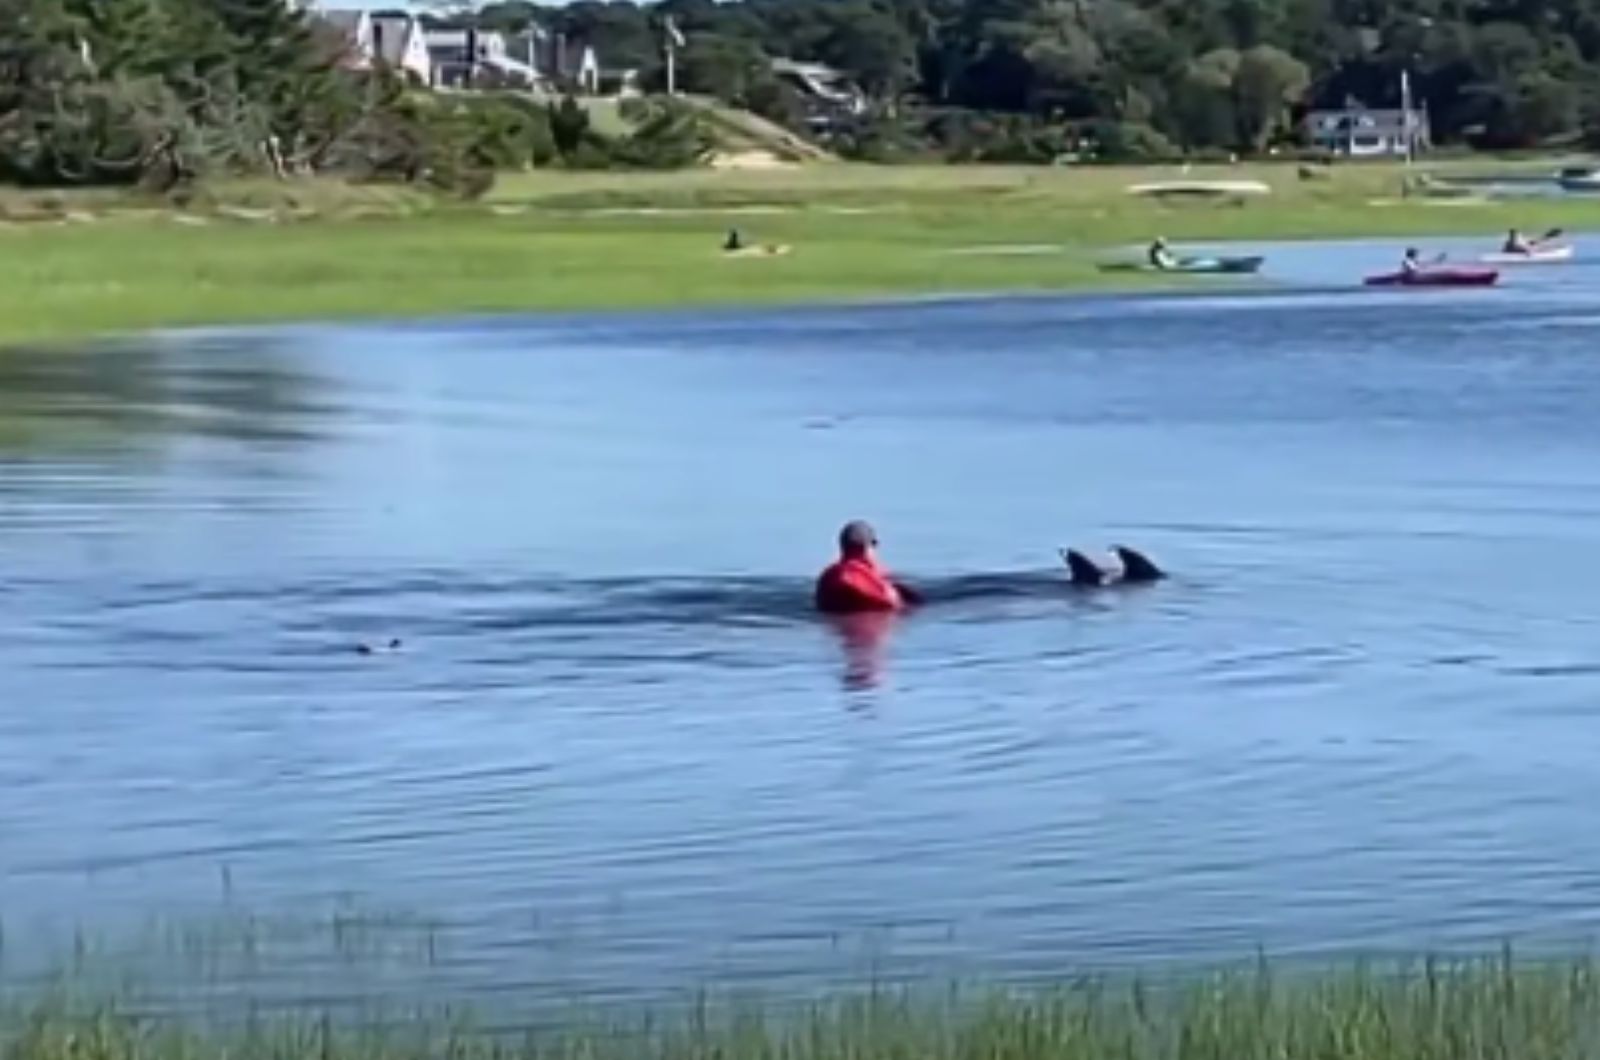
x: 828, y: 95
x: 472, y: 58
x: 391, y: 38
x: 459, y: 57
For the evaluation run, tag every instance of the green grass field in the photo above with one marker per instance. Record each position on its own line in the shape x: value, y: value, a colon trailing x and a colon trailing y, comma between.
x: 72, y: 266
x: 1493, y: 1010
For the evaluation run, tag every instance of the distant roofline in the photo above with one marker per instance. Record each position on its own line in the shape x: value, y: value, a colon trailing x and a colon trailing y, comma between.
x: 413, y: 8
x: 1373, y: 111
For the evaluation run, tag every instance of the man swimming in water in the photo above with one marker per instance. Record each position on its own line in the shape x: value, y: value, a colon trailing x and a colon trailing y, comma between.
x: 858, y: 583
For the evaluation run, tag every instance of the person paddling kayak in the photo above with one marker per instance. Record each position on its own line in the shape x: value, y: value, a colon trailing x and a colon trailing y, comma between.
x: 858, y: 583
x: 1516, y: 244
x: 1161, y: 256
x: 1411, y: 264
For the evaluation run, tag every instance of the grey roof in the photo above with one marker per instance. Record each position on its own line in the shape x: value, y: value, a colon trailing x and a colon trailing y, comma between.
x: 1357, y: 119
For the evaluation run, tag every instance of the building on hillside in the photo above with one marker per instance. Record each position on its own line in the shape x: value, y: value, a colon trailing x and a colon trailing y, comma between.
x: 572, y: 63
x: 398, y: 39
x: 534, y: 60
x: 1356, y: 132
x: 470, y: 58
x: 392, y: 38
x: 828, y: 95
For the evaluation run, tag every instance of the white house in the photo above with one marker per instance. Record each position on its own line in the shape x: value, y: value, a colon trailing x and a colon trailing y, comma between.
x: 1356, y: 132
x: 458, y: 58
x: 393, y: 38
x: 571, y: 62
x: 469, y: 57
x: 399, y: 40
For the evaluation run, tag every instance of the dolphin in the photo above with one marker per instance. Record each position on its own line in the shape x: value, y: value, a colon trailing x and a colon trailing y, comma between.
x: 1136, y: 569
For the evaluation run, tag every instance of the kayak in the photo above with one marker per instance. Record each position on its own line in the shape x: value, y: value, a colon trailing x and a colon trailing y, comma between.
x: 1536, y: 256
x: 1192, y: 266
x: 1218, y: 265
x: 1579, y: 178
x: 1437, y: 276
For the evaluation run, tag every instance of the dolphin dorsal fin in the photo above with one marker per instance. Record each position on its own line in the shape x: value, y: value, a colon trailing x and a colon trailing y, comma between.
x: 1137, y: 567
x: 1084, y: 570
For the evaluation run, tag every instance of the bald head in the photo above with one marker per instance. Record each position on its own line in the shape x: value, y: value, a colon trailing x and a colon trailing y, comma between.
x: 857, y: 538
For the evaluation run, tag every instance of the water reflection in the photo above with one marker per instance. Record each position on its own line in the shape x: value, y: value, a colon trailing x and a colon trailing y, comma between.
x: 126, y: 399
x: 864, y: 640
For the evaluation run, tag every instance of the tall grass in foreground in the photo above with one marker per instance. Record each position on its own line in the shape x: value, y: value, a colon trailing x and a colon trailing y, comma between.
x: 1481, y: 1010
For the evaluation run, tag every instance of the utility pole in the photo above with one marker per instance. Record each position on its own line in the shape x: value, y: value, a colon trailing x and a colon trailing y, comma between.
x: 672, y: 42
x: 1408, y: 124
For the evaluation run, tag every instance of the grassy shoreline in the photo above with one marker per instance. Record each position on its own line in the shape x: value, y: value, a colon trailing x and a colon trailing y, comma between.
x: 80, y: 266
x: 1422, y: 1010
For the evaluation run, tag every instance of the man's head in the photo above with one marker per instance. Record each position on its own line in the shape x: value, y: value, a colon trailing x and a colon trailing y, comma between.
x: 857, y: 539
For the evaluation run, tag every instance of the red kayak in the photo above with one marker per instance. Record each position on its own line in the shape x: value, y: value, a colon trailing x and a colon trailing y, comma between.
x: 1437, y: 276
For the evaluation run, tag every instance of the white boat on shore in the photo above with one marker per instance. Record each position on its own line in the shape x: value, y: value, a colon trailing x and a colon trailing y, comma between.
x: 1579, y: 178
x: 1201, y: 188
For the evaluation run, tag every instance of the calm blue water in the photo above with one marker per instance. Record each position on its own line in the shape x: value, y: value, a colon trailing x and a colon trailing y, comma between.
x: 616, y: 757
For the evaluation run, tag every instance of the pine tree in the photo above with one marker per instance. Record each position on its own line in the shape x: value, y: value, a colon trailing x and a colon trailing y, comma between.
x: 125, y: 38
x: 42, y: 71
x: 276, y: 59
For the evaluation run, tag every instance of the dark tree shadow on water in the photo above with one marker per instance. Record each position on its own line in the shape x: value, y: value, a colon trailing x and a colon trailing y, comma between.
x: 126, y: 400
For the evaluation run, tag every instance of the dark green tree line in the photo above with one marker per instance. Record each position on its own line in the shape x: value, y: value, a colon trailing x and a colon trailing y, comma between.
x: 1222, y: 74
x: 168, y: 91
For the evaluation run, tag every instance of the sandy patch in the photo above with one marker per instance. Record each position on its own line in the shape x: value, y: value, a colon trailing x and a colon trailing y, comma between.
x: 686, y: 211
x: 771, y: 250
x: 246, y: 213
x: 852, y: 211
x: 749, y: 160
x: 1383, y: 203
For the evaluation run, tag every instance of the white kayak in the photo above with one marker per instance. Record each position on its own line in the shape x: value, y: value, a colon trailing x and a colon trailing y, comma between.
x: 1536, y: 256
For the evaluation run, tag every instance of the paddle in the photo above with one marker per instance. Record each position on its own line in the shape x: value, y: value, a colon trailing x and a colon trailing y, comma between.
x: 1553, y: 234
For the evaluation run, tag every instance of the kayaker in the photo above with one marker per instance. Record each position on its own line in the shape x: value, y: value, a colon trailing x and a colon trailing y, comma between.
x: 734, y: 243
x: 858, y: 583
x: 1161, y: 257
x: 1515, y: 244
x: 1411, y: 264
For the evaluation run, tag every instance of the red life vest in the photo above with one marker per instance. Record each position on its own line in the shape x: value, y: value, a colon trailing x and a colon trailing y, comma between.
x: 854, y: 585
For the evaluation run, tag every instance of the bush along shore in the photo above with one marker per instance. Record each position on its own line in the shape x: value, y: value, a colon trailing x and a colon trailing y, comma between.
x: 1491, y: 1009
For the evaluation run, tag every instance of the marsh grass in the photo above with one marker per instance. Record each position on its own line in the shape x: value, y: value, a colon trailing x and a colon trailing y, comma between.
x: 1489, y: 1009
x: 573, y: 241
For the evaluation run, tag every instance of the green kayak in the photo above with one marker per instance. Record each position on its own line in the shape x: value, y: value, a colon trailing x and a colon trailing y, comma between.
x: 1194, y: 266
